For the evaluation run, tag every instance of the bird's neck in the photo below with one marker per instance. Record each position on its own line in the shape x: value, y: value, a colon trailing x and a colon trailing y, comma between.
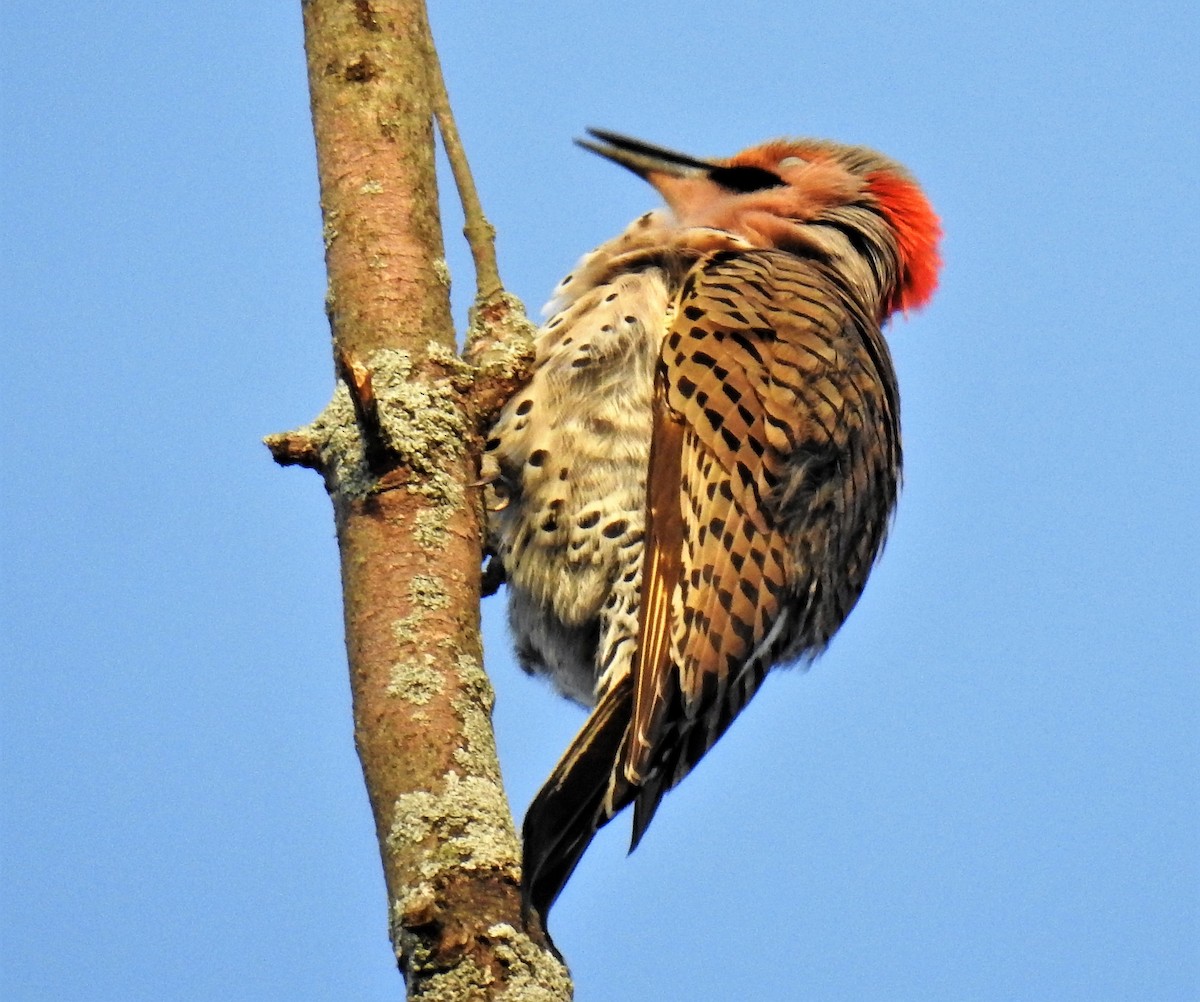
x: 852, y: 244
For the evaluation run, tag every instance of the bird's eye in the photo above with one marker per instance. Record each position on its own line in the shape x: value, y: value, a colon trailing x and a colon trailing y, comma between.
x: 745, y: 179
x: 791, y: 162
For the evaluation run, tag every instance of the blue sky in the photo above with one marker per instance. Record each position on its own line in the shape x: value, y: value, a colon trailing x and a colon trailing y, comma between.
x: 989, y: 788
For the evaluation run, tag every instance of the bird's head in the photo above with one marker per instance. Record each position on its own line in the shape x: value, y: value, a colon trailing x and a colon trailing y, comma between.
x: 805, y: 195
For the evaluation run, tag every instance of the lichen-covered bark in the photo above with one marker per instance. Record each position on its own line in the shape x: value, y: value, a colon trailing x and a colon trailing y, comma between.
x: 397, y: 447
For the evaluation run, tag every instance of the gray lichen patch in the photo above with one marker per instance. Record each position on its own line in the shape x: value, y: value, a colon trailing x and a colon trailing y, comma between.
x: 468, y: 758
x: 501, y: 329
x: 428, y: 592
x: 417, y: 681
x: 329, y: 229
x: 462, y: 981
x: 473, y: 706
x: 371, y: 187
x: 468, y: 822
x: 415, y: 907
x: 475, y: 680
x: 422, y: 421
x: 460, y: 373
x: 534, y: 974
x: 429, y: 527
x: 342, y: 457
x: 404, y: 628
x: 500, y: 336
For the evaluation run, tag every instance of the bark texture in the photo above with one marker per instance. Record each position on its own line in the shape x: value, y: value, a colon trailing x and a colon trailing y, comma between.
x: 398, y: 448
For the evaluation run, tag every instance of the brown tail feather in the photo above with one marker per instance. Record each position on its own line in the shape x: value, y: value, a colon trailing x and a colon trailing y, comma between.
x: 580, y: 797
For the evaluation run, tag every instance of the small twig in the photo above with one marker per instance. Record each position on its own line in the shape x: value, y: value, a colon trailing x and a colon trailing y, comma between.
x: 295, y: 448
x: 480, y: 234
x: 357, y: 378
x: 500, y: 336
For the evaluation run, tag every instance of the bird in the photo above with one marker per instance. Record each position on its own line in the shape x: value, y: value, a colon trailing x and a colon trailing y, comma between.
x: 700, y: 472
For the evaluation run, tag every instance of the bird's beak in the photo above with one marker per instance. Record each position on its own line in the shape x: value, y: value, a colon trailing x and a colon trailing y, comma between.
x: 644, y: 159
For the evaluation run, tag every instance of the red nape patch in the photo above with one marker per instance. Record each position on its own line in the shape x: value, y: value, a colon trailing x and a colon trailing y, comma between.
x: 918, y: 231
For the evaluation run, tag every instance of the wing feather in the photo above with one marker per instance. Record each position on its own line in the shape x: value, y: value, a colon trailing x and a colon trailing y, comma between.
x: 774, y: 461
x: 656, y: 685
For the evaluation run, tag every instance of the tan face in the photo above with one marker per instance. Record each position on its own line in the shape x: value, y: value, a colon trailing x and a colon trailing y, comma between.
x: 808, y: 186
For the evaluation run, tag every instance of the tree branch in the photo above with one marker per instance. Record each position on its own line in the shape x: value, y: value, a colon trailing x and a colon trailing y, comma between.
x: 480, y: 234
x: 500, y: 336
x: 398, y: 448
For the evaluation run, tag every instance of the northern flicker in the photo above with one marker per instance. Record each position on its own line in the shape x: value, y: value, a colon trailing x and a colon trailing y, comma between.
x: 696, y: 480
